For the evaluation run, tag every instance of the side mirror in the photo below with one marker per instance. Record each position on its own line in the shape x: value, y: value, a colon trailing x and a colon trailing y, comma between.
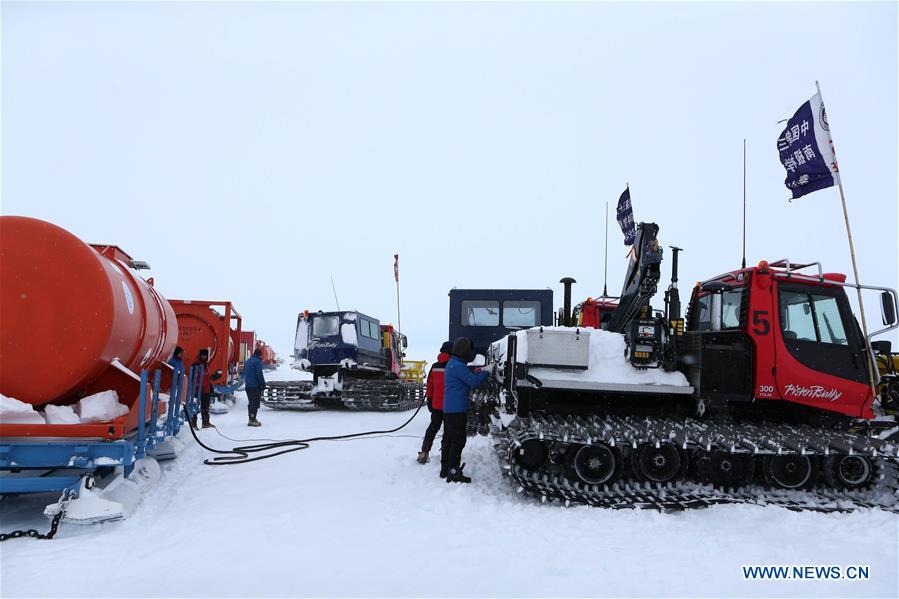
x: 882, y: 347
x: 887, y: 308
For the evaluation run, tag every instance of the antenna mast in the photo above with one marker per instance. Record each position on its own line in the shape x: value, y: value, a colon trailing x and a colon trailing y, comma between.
x: 336, y: 301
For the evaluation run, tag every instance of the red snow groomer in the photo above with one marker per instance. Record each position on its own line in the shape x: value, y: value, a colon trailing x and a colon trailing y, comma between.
x: 763, y: 394
x: 593, y: 313
x: 83, y: 347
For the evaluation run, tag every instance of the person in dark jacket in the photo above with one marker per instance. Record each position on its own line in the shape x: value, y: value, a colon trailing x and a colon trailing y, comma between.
x: 254, y: 383
x: 457, y: 384
x: 177, y: 364
x: 177, y: 360
x: 205, y: 392
x: 434, y: 393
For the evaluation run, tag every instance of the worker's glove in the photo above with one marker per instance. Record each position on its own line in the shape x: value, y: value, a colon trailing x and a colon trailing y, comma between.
x: 216, y: 376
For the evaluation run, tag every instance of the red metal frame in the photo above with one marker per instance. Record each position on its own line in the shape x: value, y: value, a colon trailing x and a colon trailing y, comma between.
x: 247, y: 344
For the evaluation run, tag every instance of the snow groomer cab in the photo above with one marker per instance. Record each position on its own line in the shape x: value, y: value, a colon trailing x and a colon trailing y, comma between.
x: 486, y: 315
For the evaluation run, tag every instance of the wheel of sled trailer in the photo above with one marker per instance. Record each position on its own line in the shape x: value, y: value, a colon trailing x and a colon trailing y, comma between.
x: 790, y: 471
x: 596, y: 464
x: 531, y: 454
x: 725, y: 469
x: 660, y: 464
x: 849, y: 471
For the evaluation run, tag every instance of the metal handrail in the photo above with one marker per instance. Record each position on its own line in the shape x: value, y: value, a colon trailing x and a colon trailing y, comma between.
x: 889, y: 290
x: 785, y: 263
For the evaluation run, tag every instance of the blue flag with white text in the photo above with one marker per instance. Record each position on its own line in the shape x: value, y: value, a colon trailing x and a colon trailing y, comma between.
x: 806, y: 150
x: 626, y: 217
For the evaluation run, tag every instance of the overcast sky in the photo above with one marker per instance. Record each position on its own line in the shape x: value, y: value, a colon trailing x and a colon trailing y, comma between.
x: 252, y: 151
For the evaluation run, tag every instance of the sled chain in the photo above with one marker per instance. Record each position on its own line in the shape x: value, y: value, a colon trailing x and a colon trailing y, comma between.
x: 54, y: 523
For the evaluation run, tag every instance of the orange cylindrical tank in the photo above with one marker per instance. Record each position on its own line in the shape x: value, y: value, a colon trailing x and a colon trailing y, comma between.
x: 267, y: 352
x: 201, y: 326
x: 68, y: 311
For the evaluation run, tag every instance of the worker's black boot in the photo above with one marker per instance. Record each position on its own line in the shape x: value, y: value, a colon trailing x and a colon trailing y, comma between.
x: 456, y: 475
x: 193, y: 421
x: 206, y: 423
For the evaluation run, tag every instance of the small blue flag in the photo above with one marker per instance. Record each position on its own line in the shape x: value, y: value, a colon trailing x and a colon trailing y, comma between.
x: 626, y: 217
x: 806, y: 150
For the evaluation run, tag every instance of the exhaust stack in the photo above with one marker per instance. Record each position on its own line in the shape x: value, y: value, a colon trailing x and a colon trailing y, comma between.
x: 566, y: 306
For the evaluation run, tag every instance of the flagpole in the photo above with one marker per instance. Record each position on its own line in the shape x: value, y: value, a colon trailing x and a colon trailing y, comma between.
x: 399, y: 326
x: 858, y: 290
x: 605, y: 274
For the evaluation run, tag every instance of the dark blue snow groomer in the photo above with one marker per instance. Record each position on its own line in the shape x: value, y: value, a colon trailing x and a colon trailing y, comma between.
x: 354, y: 360
x: 487, y: 315
x: 336, y: 342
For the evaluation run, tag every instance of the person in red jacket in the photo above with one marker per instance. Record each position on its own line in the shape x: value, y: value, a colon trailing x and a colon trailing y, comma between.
x: 434, y: 393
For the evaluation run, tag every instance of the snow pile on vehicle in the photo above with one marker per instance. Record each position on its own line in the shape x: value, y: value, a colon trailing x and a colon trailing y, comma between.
x: 607, y: 362
x: 348, y: 333
x: 100, y: 407
x: 13, y: 411
x: 61, y: 415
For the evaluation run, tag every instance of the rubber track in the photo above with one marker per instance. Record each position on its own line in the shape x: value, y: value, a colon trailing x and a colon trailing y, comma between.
x: 361, y: 394
x: 753, y: 439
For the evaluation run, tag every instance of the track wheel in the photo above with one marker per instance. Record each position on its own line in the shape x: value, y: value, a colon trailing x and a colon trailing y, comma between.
x: 660, y: 464
x: 849, y: 471
x: 790, y: 471
x: 532, y: 454
x: 596, y: 464
x: 726, y: 470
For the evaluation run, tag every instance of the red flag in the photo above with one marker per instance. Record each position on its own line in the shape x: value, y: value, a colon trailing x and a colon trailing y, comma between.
x: 396, y: 267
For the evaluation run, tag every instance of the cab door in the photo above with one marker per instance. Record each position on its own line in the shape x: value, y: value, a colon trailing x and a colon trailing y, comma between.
x: 824, y: 364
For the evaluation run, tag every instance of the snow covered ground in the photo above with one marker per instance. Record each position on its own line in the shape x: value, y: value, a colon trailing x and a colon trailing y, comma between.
x: 361, y: 518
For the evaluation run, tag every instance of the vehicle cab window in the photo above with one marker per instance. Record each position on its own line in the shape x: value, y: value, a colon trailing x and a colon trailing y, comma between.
x: 325, y: 326
x: 520, y: 313
x: 731, y: 305
x: 811, y: 317
x: 480, y: 313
